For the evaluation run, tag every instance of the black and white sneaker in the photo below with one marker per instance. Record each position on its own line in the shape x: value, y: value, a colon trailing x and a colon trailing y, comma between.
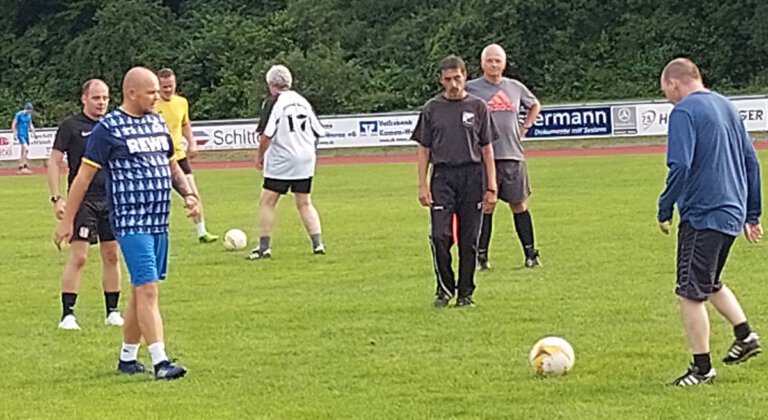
x: 741, y: 351
x: 166, y: 370
x: 532, y: 260
x: 441, y: 300
x: 130, y: 368
x: 465, y: 302
x: 258, y: 254
x: 482, y: 262
x: 319, y: 250
x: 694, y: 377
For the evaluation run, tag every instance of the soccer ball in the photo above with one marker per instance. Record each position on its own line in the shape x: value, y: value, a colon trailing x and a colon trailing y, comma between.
x: 235, y: 240
x: 552, y: 356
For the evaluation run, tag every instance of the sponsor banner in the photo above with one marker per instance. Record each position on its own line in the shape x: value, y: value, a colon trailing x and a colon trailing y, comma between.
x: 571, y: 123
x: 367, y: 131
x: 554, y: 122
x: 39, y: 146
x: 652, y: 119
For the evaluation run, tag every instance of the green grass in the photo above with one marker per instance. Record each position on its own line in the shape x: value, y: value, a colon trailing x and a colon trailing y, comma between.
x: 352, y: 334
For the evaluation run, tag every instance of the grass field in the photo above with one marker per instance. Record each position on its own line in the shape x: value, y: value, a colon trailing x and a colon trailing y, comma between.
x: 352, y: 334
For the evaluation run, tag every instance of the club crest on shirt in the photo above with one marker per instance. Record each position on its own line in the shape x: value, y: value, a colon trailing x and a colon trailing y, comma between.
x: 468, y: 118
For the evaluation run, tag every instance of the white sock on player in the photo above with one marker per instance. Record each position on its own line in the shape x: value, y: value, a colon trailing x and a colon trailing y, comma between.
x: 129, y: 352
x: 157, y: 352
x: 201, y: 228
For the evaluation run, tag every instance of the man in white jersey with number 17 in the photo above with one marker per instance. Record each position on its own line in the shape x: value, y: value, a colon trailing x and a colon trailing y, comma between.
x: 288, y: 134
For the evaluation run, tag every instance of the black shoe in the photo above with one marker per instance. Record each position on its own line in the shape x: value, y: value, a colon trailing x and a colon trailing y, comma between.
x: 532, y: 260
x: 441, y: 300
x: 694, y: 377
x: 741, y: 351
x: 465, y: 302
x: 482, y: 262
x: 258, y: 254
x: 130, y: 368
x: 168, y: 371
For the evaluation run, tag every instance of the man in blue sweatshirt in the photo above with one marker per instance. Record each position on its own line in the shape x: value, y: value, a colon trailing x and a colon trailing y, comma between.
x: 714, y: 178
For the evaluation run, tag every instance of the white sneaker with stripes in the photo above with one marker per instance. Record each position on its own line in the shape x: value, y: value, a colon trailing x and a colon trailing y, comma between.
x: 694, y: 377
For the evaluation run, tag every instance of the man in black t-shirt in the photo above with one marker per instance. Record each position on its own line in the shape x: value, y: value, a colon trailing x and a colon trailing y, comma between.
x: 454, y: 133
x: 92, y: 220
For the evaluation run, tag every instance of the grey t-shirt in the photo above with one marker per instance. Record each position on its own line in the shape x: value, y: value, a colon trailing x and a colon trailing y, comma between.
x: 454, y: 131
x: 504, y: 100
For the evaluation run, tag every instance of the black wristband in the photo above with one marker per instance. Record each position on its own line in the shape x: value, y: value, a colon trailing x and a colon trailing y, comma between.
x: 55, y: 199
x: 490, y: 190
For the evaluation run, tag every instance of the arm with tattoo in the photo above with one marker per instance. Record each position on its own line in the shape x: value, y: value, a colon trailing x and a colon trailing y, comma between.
x: 179, y: 181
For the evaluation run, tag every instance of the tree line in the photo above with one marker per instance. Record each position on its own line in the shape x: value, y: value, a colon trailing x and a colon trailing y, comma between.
x: 369, y: 55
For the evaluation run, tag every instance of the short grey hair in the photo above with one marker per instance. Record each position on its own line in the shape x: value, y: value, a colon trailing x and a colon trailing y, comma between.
x: 279, y: 76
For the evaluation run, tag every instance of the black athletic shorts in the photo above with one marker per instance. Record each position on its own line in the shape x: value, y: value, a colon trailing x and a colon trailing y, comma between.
x: 701, y: 256
x: 281, y: 186
x: 184, y: 165
x: 512, y: 179
x: 92, y: 222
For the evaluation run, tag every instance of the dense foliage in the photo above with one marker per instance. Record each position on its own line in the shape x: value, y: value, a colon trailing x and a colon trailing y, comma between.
x: 368, y: 55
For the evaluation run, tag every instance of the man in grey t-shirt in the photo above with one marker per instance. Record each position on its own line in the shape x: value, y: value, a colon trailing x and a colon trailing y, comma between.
x: 504, y: 97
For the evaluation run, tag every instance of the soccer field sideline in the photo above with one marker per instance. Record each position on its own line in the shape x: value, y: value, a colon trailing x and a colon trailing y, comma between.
x: 411, y: 157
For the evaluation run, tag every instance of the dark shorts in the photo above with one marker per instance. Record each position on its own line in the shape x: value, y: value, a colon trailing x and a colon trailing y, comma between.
x: 281, y: 186
x: 701, y: 256
x: 184, y: 165
x: 512, y: 177
x: 92, y: 222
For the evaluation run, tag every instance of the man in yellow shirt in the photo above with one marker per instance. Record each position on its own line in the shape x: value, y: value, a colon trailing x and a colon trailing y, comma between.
x: 175, y: 110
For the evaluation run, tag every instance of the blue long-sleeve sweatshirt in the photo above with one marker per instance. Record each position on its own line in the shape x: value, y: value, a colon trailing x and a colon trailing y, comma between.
x: 714, y: 174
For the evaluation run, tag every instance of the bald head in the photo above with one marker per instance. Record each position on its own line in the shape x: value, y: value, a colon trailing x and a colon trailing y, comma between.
x: 140, y: 91
x: 493, y: 60
x: 682, y: 70
x: 680, y: 78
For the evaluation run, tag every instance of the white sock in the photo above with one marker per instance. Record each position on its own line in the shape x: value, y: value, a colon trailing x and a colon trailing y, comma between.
x: 129, y: 352
x: 157, y: 352
x: 201, y: 228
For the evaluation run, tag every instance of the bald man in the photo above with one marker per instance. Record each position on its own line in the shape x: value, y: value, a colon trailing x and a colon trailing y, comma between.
x: 133, y: 147
x: 91, y: 223
x: 714, y: 179
x: 504, y: 97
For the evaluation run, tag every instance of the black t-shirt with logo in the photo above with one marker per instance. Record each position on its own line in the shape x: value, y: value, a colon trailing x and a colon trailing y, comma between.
x: 454, y: 130
x: 71, y: 138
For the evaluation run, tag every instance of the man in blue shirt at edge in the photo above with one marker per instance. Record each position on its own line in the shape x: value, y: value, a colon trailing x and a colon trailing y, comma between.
x: 714, y: 178
x: 133, y: 146
x: 21, y: 126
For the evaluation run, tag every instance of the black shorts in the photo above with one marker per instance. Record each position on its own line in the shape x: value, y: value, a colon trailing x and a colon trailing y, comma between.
x: 701, y: 256
x: 512, y: 179
x: 92, y: 222
x: 281, y: 186
x: 184, y: 165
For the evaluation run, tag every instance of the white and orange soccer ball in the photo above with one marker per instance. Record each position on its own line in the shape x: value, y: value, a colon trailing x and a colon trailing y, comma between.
x: 235, y: 240
x: 552, y: 356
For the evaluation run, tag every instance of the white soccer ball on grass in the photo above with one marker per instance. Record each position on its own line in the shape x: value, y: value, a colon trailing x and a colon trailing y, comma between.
x: 552, y: 356
x: 235, y: 240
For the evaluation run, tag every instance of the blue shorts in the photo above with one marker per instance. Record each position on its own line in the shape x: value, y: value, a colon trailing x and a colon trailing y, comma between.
x: 23, y: 140
x: 146, y: 256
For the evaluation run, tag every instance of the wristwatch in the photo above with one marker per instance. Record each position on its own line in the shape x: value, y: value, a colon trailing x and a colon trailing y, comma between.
x: 55, y: 199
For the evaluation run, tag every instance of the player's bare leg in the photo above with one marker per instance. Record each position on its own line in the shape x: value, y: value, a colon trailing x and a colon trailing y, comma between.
x: 267, y: 206
x: 110, y: 269
x: 202, y: 232
x: 311, y: 220
x: 131, y: 340
x: 745, y: 344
